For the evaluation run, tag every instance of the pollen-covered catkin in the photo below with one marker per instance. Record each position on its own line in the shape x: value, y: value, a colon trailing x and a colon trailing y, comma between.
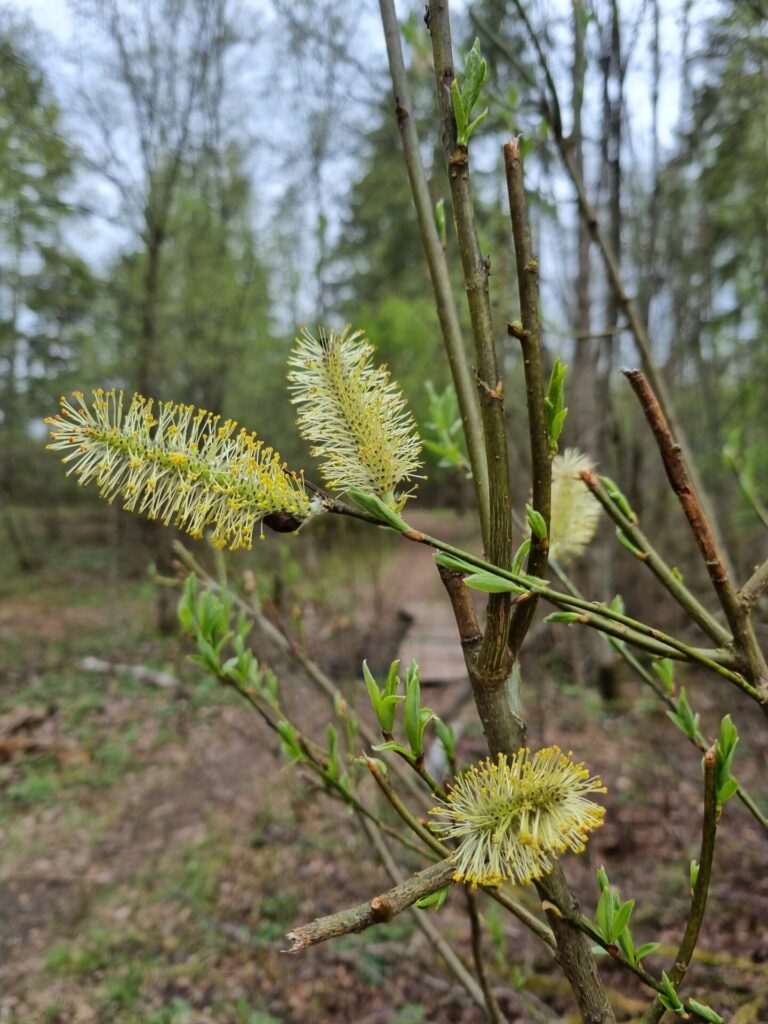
x: 181, y: 465
x: 515, y: 816
x: 353, y: 413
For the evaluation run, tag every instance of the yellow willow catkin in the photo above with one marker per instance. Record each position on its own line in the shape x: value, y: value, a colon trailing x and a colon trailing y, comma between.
x: 181, y: 465
x: 575, y: 512
x: 353, y: 413
x: 515, y: 816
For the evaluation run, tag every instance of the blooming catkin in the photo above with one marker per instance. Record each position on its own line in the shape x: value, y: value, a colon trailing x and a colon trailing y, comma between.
x: 515, y: 817
x: 575, y: 512
x: 178, y: 464
x: 354, y: 415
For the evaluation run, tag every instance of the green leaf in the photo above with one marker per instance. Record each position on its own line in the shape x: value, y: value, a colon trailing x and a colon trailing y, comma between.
x: 435, y: 900
x: 447, y: 738
x: 568, y: 618
x: 333, y: 769
x: 520, y: 555
x: 374, y: 506
x: 490, y: 584
x: 665, y: 670
x: 625, y: 542
x: 440, y: 222
x: 185, y: 609
x: 456, y: 564
x: 604, y: 915
x: 412, y: 710
x: 618, y: 498
x: 536, y: 522
x: 393, y: 680
x: 622, y: 917
x: 602, y: 879
x: 670, y: 993
x: 729, y: 789
x: 693, y: 873
x: 646, y: 949
x: 705, y: 1011
x: 392, y: 745
x: 374, y: 694
x: 627, y: 944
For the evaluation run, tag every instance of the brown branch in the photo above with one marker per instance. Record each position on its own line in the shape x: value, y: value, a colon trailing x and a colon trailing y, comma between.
x: 533, y: 368
x: 735, y: 612
x: 455, y: 964
x: 377, y: 910
x: 700, y: 889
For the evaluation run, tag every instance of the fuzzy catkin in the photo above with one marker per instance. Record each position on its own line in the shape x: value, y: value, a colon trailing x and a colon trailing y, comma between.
x: 515, y: 816
x: 354, y: 415
x: 181, y: 465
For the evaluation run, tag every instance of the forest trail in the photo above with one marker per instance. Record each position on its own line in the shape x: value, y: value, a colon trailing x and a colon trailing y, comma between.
x: 432, y: 640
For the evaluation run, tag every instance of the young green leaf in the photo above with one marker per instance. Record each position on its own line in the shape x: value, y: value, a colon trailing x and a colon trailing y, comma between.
x: 706, y: 1012
x: 435, y: 900
x: 646, y: 949
x: 520, y: 555
x: 536, y: 523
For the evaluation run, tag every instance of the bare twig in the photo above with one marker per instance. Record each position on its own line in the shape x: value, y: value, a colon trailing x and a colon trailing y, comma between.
x: 455, y: 964
x: 650, y: 679
x: 735, y: 612
x: 700, y: 889
x: 529, y: 337
x: 374, y: 911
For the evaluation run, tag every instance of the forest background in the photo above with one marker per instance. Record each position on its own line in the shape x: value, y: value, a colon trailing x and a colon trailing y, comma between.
x: 183, y: 185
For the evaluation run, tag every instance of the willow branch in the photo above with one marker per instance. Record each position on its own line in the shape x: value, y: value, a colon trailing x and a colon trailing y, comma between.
x: 700, y: 889
x: 595, y: 614
x: 377, y: 910
x: 736, y: 614
x: 438, y: 268
x: 754, y: 587
x: 661, y: 570
x: 493, y: 657
x: 424, y: 924
x: 529, y: 336
x: 287, y: 646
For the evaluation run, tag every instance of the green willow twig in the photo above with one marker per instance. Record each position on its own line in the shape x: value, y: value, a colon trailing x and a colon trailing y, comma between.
x: 700, y: 888
x: 493, y: 655
x: 495, y: 1016
x: 661, y: 570
x: 529, y: 336
x: 318, y: 764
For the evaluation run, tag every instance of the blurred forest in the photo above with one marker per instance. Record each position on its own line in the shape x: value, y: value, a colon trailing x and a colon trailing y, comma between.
x: 183, y: 185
